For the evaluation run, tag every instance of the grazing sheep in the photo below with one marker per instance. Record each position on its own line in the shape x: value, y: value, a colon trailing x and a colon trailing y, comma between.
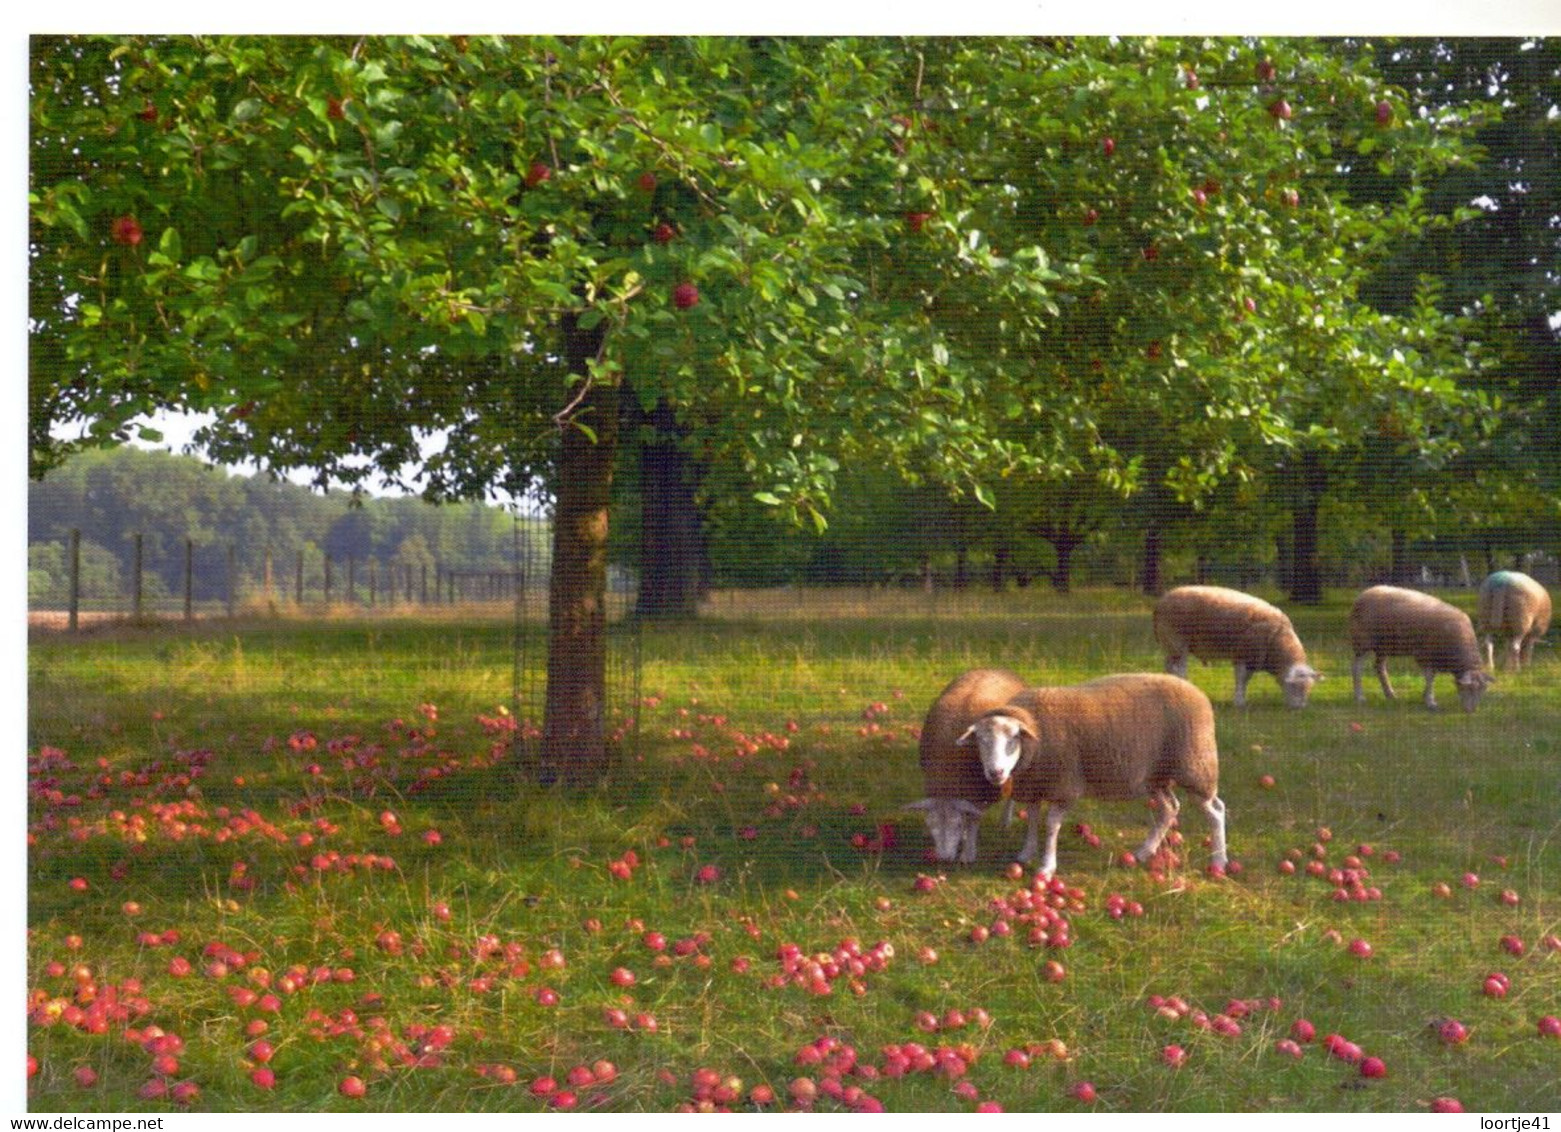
x: 1515, y: 604
x: 1116, y: 738
x: 1214, y: 623
x: 957, y: 792
x: 1389, y: 621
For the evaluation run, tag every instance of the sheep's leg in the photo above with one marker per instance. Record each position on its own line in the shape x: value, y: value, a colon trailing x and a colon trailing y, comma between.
x: 1490, y: 651
x: 968, y: 839
x: 1429, y: 699
x: 1215, y: 810
x: 1054, y: 816
x: 1176, y: 665
x: 1355, y: 673
x: 1382, y: 675
x: 1032, y: 834
x: 1168, y: 808
x: 1522, y: 650
x: 1528, y: 649
x: 1243, y: 674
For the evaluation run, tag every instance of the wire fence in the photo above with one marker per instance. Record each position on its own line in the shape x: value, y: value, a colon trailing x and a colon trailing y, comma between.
x: 226, y: 580
x: 217, y: 582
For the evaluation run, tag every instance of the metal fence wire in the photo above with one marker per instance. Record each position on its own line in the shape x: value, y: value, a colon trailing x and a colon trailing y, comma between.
x: 87, y: 587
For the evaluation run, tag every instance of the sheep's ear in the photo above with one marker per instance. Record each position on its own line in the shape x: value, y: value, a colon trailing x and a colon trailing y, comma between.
x: 1025, y: 726
x: 919, y: 804
x: 968, y: 739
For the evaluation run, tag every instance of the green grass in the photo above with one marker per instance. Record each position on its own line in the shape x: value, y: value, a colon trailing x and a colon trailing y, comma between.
x: 529, y: 868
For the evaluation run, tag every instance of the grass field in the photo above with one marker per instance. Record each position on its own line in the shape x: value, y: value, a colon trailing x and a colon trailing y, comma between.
x: 272, y: 859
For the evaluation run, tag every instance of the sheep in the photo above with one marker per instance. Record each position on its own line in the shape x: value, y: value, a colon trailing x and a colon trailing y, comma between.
x: 1390, y: 621
x: 1214, y: 623
x: 1513, y: 603
x: 957, y: 793
x: 1115, y: 738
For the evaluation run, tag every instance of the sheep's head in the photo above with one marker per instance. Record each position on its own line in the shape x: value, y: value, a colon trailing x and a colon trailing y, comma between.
x: 1298, y: 683
x: 949, y: 821
x: 999, y: 738
x: 1471, y: 686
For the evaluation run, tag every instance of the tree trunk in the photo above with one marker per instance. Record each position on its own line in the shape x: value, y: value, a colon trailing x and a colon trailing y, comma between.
x: 574, y: 736
x: 672, y: 543
x: 961, y: 567
x: 1000, y: 567
x: 1063, y: 545
x: 1399, y: 568
x: 1149, y: 569
x: 1306, y: 581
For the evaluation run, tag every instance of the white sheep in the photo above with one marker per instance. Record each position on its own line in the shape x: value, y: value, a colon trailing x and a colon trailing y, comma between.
x: 1516, y: 605
x: 957, y: 793
x: 1116, y: 738
x: 1214, y: 623
x: 1389, y: 621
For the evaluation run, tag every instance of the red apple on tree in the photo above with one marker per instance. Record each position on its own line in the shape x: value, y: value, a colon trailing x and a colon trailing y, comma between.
x: 126, y: 230
x: 685, y: 295
x: 538, y: 173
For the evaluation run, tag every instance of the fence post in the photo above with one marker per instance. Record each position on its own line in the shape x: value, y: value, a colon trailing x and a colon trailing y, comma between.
x: 373, y: 584
x: 327, y: 579
x: 189, y: 579
x: 232, y: 579
x: 423, y: 583
x: 135, y: 568
x: 352, y: 579
x: 438, y: 583
x: 298, y: 581
x: 266, y: 579
x: 75, y: 577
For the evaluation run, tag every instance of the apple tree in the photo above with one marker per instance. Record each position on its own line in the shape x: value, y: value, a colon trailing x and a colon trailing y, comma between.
x: 1205, y: 314
x: 345, y: 247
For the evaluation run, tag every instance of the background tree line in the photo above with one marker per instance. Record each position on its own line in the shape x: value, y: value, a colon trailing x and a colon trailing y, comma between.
x: 114, y: 494
x: 884, y: 533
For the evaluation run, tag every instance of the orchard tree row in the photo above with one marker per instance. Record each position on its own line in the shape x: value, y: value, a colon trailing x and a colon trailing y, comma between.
x: 1147, y: 267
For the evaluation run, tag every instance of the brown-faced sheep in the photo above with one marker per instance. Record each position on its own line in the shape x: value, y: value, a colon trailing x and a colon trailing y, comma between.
x: 1513, y: 605
x: 1389, y: 621
x: 957, y: 793
x: 1116, y: 738
x: 1214, y: 623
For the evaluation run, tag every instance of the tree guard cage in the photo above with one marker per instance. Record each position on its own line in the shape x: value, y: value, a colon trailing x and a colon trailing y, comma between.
x: 526, y: 589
